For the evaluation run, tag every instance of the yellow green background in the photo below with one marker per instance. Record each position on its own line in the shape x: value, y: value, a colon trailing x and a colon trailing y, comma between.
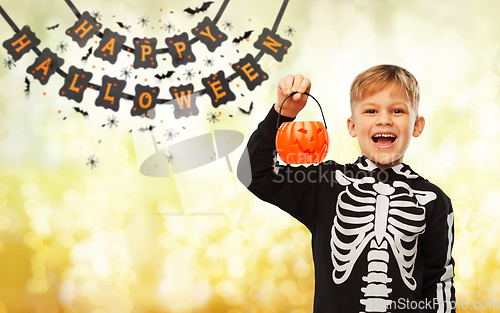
x: 108, y: 239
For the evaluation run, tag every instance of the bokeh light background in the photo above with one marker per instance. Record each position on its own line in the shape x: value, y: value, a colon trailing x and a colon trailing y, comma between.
x: 108, y: 239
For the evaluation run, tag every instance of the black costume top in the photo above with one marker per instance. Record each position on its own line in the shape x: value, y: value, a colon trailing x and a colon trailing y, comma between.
x: 381, y: 240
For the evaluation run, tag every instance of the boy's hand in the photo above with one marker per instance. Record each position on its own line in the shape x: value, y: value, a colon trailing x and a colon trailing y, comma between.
x: 287, y: 85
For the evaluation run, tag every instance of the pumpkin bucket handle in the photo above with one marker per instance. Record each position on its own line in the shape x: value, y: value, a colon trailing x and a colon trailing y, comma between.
x: 307, y: 94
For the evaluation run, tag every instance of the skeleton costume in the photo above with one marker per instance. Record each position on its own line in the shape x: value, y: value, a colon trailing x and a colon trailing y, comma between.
x: 381, y: 240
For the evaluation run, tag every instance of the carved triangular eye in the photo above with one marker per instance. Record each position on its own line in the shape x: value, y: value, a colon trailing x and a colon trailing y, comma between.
x: 312, y: 139
x: 302, y: 130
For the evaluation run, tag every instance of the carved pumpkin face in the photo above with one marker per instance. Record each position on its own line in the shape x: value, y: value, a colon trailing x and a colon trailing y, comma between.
x: 302, y: 142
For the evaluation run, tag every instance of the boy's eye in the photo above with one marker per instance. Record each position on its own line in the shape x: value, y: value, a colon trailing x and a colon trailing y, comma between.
x: 397, y: 111
x: 371, y: 111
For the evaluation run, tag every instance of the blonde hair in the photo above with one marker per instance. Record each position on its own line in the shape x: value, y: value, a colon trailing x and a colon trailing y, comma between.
x: 377, y: 78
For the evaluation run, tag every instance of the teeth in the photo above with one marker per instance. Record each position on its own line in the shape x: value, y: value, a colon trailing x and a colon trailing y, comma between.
x: 384, y: 135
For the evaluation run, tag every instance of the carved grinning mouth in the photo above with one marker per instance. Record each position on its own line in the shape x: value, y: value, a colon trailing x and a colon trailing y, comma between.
x: 306, y: 151
x: 384, y: 139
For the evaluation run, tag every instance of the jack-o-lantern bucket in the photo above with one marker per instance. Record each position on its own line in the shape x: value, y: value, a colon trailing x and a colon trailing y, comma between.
x: 302, y: 142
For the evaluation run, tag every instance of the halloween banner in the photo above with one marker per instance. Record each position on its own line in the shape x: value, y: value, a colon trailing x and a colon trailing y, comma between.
x: 146, y: 53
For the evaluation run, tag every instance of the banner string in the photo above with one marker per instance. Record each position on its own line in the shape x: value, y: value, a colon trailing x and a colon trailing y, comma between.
x: 275, y: 28
x: 9, y: 20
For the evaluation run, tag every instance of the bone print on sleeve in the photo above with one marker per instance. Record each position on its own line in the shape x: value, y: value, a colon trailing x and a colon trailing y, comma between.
x: 439, y: 263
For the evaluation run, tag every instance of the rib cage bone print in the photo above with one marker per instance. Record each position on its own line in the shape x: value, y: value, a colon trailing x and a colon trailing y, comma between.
x: 382, y: 215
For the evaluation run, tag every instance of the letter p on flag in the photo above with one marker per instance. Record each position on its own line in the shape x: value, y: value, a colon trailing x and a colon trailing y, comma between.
x: 202, y: 162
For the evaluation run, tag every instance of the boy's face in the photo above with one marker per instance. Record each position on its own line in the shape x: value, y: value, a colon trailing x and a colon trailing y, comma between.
x: 384, y: 123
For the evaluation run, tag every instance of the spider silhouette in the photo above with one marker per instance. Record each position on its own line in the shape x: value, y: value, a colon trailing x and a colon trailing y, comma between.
x: 227, y: 24
x: 63, y: 46
x: 170, y: 158
x: 213, y: 117
x: 96, y: 15
x: 9, y: 63
x: 209, y: 62
x: 126, y: 72
x: 289, y: 31
x: 170, y: 134
x: 169, y: 27
x: 92, y: 161
x: 143, y: 20
x: 189, y: 73
x: 112, y: 121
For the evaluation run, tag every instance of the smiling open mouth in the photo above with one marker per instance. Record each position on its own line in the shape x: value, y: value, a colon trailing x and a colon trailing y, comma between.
x: 383, y: 139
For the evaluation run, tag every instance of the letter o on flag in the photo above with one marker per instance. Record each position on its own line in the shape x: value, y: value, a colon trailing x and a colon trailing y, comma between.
x: 148, y: 99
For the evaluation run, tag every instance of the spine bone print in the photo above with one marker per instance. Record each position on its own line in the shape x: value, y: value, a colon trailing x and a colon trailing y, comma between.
x: 378, y: 258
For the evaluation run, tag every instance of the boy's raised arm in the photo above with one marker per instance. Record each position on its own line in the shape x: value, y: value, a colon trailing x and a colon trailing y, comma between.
x: 257, y: 170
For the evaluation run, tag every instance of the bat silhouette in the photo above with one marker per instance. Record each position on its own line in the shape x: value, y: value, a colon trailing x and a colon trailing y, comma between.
x: 249, y: 109
x: 53, y: 27
x: 84, y: 113
x: 85, y: 57
x: 27, y: 81
x: 127, y: 27
x: 203, y: 8
x: 245, y: 36
x: 143, y: 129
x: 163, y: 76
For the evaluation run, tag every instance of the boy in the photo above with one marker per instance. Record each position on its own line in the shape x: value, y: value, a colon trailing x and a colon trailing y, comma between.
x: 381, y: 234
